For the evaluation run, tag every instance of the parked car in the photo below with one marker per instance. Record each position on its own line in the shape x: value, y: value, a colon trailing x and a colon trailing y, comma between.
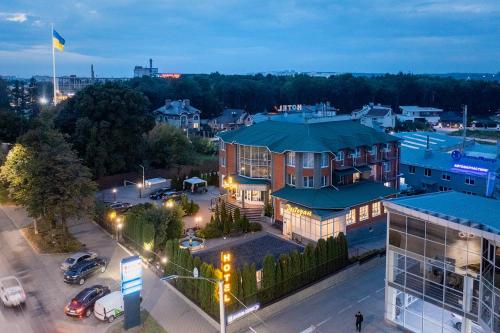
x: 109, y: 307
x: 456, y: 321
x: 83, y: 270
x: 158, y: 194
x: 76, y: 258
x: 172, y: 195
x: 11, y: 291
x: 83, y: 303
x: 120, y: 207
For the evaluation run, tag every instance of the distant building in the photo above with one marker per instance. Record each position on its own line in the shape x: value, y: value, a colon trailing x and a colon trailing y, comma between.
x: 450, y: 119
x: 416, y: 113
x: 375, y: 115
x: 302, y: 113
x: 434, y: 162
x: 231, y: 119
x: 443, y: 263
x: 179, y: 114
x: 150, y: 71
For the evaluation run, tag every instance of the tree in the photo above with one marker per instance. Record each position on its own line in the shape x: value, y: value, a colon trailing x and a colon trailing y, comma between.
x: 237, y: 219
x: 268, y: 277
x: 168, y: 146
x: 12, y: 125
x: 106, y: 124
x: 45, y: 176
x: 228, y: 224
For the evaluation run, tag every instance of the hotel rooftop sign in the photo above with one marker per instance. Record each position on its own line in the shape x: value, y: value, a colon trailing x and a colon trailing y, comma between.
x: 289, y: 108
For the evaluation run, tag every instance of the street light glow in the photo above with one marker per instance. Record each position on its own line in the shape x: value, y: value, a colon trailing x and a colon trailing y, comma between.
x: 139, y: 185
x: 114, y: 190
x: 120, y: 226
x: 43, y: 100
x: 164, y: 260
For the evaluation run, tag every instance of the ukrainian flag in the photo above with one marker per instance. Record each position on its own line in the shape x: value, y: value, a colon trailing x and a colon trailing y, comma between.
x: 57, y: 41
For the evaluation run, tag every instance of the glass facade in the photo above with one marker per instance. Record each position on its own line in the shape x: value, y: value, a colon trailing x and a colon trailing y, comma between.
x: 254, y: 162
x: 310, y: 228
x: 436, y: 268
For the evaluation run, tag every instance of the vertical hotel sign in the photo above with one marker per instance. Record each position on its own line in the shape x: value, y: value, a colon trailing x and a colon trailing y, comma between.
x: 226, y: 265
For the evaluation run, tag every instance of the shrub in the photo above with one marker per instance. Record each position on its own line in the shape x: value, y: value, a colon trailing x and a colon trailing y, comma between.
x: 254, y: 226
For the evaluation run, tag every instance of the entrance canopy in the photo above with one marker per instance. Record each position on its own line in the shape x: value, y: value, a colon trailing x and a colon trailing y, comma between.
x: 194, y: 183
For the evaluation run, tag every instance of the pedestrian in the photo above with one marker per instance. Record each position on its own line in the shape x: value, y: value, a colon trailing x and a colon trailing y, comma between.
x: 359, y: 320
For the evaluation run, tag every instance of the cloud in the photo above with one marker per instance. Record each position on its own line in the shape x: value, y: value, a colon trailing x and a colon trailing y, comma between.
x: 14, y: 17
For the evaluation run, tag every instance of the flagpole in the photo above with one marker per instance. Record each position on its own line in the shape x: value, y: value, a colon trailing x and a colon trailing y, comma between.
x: 53, y: 65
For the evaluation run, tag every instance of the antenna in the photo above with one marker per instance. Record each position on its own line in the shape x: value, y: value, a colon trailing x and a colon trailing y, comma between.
x: 464, y: 133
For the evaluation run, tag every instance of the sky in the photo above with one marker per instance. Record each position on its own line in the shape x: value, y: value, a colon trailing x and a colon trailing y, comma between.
x: 196, y: 36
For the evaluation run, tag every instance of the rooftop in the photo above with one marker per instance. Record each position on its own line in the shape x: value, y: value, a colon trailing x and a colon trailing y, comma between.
x: 480, y: 212
x: 250, y: 251
x: 177, y: 108
x: 230, y: 116
x: 330, y: 198
x: 414, y: 108
x: 437, y: 141
x: 307, y: 137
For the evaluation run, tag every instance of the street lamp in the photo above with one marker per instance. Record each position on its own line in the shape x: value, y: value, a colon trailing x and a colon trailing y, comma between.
x: 164, y: 260
x: 197, y: 219
x: 169, y: 203
x: 119, y: 226
x: 43, y: 100
x: 140, y: 190
x: 114, y: 194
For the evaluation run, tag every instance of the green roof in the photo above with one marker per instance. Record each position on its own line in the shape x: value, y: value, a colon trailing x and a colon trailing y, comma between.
x: 250, y: 181
x: 329, y: 198
x: 307, y: 137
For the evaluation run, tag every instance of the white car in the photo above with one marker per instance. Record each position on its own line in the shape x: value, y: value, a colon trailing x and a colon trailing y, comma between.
x: 11, y: 291
x: 76, y: 258
x: 456, y: 321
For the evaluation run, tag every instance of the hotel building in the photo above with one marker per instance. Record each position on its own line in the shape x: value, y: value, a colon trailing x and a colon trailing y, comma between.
x: 321, y: 178
x: 443, y: 263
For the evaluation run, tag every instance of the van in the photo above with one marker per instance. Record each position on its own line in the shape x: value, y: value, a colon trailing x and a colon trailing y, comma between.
x: 109, y: 307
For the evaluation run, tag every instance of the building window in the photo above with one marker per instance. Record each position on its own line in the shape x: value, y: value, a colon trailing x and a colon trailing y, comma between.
x: 363, y: 213
x: 427, y: 172
x: 290, y: 179
x: 376, y: 209
x: 324, y: 160
x: 411, y: 169
x: 374, y: 149
x: 355, y: 177
x: 387, y: 184
x: 290, y: 159
x: 341, y: 180
x: 222, y: 160
x: 350, y: 218
x: 340, y: 156
x: 469, y: 180
x: 387, y: 166
x: 308, y: 181
x: 324, y: 181
x: 222, y: 145
x: 388, y: 147
x: 444, y: 188
x: 254, y: 162
x: 445, y: 176
x: 308, y: 160
x: 356, y: 153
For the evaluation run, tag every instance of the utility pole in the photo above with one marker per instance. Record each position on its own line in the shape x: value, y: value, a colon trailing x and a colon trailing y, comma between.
x: 221, y: 307
x: 464, y: 133
x: 142, y: 174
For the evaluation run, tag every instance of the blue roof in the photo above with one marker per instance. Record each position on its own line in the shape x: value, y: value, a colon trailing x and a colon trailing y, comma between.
x: 437, y: 141
x: 478, y: 210
x: 438, y: 160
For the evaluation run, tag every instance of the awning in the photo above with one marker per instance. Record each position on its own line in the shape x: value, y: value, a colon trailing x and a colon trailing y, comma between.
x: 251, y: 184
x: 345, y: 172
x: 363, y: 168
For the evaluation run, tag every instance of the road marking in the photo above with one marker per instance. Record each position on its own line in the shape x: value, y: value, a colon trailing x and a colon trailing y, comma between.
x: 380, y: 289
x: 324, y: 321
x: 361, y: 300
x: 345, y: 309
x: 310, y: 329
x: 251, y: 329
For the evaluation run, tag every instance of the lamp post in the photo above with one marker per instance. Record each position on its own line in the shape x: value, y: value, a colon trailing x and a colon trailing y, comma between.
x: 140, y: 190
x: 197, y: 219
x: 142, y: 173
x: 114, y: 194
x: 119, y: 227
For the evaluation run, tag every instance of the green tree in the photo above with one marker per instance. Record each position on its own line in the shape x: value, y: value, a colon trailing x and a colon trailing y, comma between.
x: 45, y: 176
x: 148, y: 235
x: 168, y: 146
x: 228, y: 224
x: 268, y: 278
x: 106, y: 124
x: 237, y: 219
x: 309, y: 263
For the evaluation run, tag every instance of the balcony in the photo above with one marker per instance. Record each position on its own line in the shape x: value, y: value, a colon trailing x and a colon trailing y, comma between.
x: 389, y: 155
x: 375, y: 158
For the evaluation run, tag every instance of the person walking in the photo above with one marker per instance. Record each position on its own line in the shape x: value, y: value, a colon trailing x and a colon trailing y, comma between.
x: 359, y: 320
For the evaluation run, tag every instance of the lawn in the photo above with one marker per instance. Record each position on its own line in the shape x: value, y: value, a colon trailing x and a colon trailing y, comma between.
x: 49, y: 241
x: 492, y: 135
x: 149, y: 325
x: 4, y: 198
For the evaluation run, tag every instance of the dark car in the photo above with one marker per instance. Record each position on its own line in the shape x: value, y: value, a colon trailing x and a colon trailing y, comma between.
x: 172, y: 195
x: 120, y: 207
x: 83, y: 303
x: 158, y: 194
x: 82, y: 271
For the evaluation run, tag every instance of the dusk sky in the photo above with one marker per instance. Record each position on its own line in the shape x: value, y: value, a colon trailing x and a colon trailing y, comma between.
x: 189, y: 36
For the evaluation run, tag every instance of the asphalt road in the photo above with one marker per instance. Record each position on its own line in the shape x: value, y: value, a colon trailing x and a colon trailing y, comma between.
x: 333, y: 309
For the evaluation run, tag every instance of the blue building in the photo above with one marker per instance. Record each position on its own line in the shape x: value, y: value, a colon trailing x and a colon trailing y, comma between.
x: 443, y: 263
x: 435, y: 162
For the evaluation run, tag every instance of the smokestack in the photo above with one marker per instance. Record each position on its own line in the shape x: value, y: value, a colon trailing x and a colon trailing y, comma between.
x: 464, y: 134
x: 150, y: 67
x: 92, y: 75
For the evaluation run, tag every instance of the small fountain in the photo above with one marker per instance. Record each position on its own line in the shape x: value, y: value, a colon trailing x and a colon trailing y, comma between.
x: 191, y: 242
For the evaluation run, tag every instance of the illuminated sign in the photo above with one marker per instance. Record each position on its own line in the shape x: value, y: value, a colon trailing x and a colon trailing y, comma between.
x: 169, y: 75
x: 131, y: 274
x: 456, y: 155
x: 288, y: 108
x: 298, y: 211
x: 226, y: 260
x: 244, y: 312
x: 470, y: 168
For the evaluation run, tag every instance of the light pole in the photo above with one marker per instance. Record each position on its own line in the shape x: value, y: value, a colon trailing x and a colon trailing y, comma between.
x: 114, y: 194
x: 119, y: 227
x: 142, y: 174
x: 140, y: 190
x: 220, y: 283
